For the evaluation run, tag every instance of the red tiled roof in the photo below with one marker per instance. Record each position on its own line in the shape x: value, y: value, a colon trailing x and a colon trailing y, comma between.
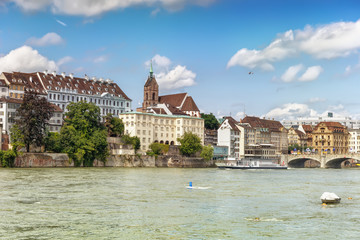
x: 56, y: 108
x: 257, y: 122
x: 232, y: 122
x: 11, y: 100
x: 307, y: 128
x: 173, y: 99
x: 332, y: 126
x: 150, y: 81
x: 189, y: 105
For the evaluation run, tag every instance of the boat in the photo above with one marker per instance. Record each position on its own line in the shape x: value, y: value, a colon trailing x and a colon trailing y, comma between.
x: 250, y: 164
x: 328, y: 197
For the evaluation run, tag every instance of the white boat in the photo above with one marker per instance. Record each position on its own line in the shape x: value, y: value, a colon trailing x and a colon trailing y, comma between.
x: 250, y: 164
x: 328, y: 197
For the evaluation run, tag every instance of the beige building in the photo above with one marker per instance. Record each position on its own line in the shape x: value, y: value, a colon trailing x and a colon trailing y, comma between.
x: 330, y: 138
x: 296, y: 136
x: 162, y: 128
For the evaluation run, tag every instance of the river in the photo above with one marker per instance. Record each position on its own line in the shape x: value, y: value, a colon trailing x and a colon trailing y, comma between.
x: 154, y: 203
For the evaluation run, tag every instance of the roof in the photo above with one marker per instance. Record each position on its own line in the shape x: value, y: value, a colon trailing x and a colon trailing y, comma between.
x: 42, y: 82
x: 189, y: 105
x: 307, y: 128
x: 174, y: 99
x: 332, y: 126
x: 150, y: 81
x: 299, y: 133
x: 232, y: 122
x: 257, y: 122
x: 20, y: 101
x: 56, y: 108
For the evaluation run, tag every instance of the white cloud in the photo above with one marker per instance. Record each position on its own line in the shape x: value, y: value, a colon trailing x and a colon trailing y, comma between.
x: 160, y: 62
x: 26, y: 59
x: 61, y: 23
x: 178, y: 77
x: 100, y: 59
x: 64, y: 60
x: 325, y: 42
x: 93, y: 8
x: 155, y: 11
x: 316, y: 100
x: 291, y: 72
x: 311, y: 74
x: 291, y: 111
x: 48, y: 39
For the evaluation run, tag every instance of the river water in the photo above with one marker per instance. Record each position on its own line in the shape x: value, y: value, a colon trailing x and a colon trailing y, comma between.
x: 154, y: 203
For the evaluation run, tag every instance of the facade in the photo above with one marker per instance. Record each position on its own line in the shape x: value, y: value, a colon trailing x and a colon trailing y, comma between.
x: 307, y: 130
x: 296, y: 136
x: 162, y: 128
x: 269, y: 132
x: 210, y: 137
x: 61, y: 90
x: 354, y: 143
x: 229, y: 136
x: 330, y: 138
x: 313, y: 121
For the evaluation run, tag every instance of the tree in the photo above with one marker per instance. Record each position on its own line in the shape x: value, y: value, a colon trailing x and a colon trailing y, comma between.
x: 34, y: 114
x: 52, y: 142
x: 190, y: 144
x: 134, y: 141
x: 207, y: 152
x: 115, y: 126
x: 83, y: 137
x: 210, y: 121
x: 16, y: 138
x: 158, y: 149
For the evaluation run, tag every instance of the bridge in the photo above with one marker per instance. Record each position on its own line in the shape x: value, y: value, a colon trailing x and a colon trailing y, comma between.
x: 322, y: 161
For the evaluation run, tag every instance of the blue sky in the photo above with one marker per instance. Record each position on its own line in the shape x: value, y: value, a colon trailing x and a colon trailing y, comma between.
x: 303, y: 56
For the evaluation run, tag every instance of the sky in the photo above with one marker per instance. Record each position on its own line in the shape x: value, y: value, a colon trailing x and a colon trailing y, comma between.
x: 280, y: 59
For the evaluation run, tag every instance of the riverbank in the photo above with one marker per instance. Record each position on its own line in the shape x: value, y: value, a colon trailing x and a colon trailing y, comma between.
x: 48, y: 160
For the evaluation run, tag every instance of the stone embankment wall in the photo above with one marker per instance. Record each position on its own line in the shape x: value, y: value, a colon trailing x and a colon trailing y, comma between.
x: 62, y: 160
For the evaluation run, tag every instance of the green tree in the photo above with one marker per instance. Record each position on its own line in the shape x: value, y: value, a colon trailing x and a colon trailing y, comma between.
x: 52, y: 142
x: 207, y: 152
x: 210, y: 121
x: 158, y: 149
x: 115, y: 126
x: 83, y: 137
x: 16, y: 138
x: 7, y: 158
x: 190, y: 144
x: 134, y: 141
x: 34, y: 114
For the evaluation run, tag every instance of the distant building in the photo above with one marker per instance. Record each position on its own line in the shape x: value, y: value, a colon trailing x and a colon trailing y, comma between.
x: 229, y: 136
x: 354, y: 142
x: 330, y: 138
x: 297, y: 137
x: 313, y: 121
x: 210, y: 137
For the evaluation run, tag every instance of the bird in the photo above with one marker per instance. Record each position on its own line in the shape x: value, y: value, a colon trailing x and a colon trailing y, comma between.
x: 251, y: 73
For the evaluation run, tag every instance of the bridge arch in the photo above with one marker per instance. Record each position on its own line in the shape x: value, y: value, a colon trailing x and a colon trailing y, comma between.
x: 338, y: 162
x: 303, y: 162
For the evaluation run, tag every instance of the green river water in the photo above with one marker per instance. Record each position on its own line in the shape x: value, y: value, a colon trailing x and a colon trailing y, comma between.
x: 154, y: 203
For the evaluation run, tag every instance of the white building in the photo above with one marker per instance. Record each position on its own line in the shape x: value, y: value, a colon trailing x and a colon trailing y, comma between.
x: 346, y: 121
x: 162, y: 128
x: 354, y: 142
x: 229, y: 136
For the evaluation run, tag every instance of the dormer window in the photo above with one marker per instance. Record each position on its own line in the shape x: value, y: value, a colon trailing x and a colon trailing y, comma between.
x: 113, y: 90
x: 106, y: 89
x: 59, y: 83
x: 99, y: 88
x: 68, y: 84
x: 49, y: 87
x: 57, y: 88
x: 83, y: 91
x: 19, y: 80
x: 76, y: 85
x: 91, y: 87
x: 50, y: 82
x: 90, y: 92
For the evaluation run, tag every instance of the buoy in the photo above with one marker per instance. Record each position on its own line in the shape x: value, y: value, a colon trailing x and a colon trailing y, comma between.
x: 257, y: 219
x: 349, y: 198
x: 190, y: 184
x: 324, y: 204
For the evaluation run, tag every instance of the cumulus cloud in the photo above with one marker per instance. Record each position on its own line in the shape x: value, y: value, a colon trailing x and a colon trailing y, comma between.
x: 324, y: 42
x: 175, y: 78
x: 26, y: 59
x: 291, y: 72
x: 48, y: 39
x: 90, y: 8
x: 311, y: 74
x: 291, y: 111
x: 64, y: 60
x: 100, y: 59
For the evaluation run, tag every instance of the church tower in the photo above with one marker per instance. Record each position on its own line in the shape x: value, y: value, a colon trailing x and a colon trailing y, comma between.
x: 151, y: 91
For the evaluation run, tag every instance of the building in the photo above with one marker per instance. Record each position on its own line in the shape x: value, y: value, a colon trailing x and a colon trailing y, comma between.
x: 180, y: 103
x: 229, y: 136
x: 162, y: 128
x: 210, y: 137
x: 64, y: 89
x: 313, y: 121
x: 354, y: 142
x: 330, y: 138
x: 269, y: 132
x: 307, y: 130
x: 296, y: 137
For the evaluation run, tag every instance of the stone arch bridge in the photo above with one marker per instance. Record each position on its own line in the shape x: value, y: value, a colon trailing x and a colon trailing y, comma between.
x: 323, y: 161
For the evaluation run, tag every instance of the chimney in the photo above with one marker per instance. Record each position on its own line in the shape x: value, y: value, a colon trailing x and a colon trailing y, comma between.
x: 86, y: 77
x: 93, y: 78
x: 30, y: 78
x: 54, y: 73
x: 63, y: 74
x: 71, y: 75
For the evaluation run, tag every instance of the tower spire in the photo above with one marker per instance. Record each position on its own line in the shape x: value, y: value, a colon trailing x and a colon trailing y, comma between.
x: 151, y: 69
